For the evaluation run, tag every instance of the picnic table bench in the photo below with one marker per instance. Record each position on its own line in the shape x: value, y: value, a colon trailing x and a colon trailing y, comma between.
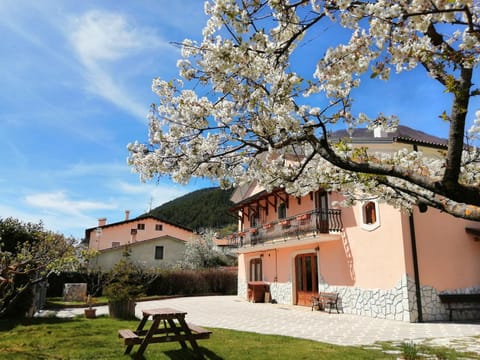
x: 325, y: 300
x: 460, y: 302
x: 175, y: 328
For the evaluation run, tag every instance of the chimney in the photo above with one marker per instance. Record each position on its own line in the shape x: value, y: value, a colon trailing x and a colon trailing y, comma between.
x: 379, y: 131
x: 127, y: 214
x: 102, y: 222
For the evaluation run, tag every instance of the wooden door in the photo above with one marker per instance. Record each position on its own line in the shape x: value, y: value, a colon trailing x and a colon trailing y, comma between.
x: 306, y: 275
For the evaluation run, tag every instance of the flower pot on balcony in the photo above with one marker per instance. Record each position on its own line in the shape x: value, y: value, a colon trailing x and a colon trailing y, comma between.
x: 303, y: 217
x: 268, y: 226
x: 284, y: 222
x: 253, y: 231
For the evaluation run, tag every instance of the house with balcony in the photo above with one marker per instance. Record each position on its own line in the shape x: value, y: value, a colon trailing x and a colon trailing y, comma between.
x: 151, y: 242
x: 382, y: 262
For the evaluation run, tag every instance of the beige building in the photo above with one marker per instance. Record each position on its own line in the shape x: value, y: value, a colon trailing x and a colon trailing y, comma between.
x: 152, y: 242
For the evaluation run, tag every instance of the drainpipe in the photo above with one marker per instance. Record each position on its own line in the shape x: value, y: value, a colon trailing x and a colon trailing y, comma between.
x: 415, y: 268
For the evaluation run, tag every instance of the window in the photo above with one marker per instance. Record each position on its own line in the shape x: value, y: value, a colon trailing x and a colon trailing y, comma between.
x: 115, y: 244
x: 158, y: 252
x: 133, y: 231
x: 158, y: 227
x: 370, y: 215
x: 254, y: 219
x: 256, y: 270
x: 141, y: 226
x: 282, y: 211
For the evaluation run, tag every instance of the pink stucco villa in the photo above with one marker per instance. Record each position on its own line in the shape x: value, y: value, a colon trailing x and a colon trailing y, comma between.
x: 153, y: 242
x: 382, y: 262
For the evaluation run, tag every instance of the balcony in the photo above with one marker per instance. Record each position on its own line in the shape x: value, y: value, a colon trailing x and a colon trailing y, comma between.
x: 312, y: 223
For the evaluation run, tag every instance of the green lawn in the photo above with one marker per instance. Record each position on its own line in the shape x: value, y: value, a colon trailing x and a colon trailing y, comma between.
x: 97, y: 339
x: 79, y: 338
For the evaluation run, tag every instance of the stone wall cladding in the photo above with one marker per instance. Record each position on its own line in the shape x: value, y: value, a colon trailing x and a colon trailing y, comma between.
x: 242, y: 289
x: 434, y: 310
x: 280, y: 292
x: 393, y: 304
x: 398, y: 303
x: 74, y: 292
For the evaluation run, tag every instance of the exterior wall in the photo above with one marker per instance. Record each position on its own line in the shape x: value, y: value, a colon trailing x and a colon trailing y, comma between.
x: 447, y: 255
x: 447, y: 261
x: 143, y: 253
x: 377, y: 256
x: 121, y: 233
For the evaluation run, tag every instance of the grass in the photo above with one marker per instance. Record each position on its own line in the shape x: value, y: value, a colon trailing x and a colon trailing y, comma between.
x: 84, y: 339
x: 79, y: 338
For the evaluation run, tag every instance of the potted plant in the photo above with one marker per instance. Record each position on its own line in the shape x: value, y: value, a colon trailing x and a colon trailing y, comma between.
x: 90, y: 313
x: 124, y: 284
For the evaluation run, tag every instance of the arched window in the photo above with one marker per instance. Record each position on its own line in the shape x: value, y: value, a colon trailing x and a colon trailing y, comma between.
x: 370, y: 215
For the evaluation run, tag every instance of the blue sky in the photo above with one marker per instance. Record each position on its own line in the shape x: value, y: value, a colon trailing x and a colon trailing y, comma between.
x: 76, y: 79
x: 75, y: 90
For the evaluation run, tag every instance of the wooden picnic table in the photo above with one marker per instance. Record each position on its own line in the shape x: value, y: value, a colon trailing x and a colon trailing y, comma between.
x: 175, y: 328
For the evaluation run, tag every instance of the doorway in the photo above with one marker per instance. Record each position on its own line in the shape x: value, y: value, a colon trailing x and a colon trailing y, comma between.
x: 306, y: 275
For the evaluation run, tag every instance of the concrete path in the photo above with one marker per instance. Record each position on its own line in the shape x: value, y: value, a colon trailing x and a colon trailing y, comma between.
x: 231, y: 312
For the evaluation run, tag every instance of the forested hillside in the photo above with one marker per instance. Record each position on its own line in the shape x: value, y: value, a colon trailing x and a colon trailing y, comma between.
x: 201, y: 209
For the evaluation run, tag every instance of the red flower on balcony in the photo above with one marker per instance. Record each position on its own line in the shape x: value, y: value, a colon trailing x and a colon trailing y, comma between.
x: 303, y: 217
x: 267, y: 226
x: 253, y: 231
x: 284, y: 222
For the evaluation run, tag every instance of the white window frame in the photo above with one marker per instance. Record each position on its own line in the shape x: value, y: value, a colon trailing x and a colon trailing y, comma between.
x: 372, y: 226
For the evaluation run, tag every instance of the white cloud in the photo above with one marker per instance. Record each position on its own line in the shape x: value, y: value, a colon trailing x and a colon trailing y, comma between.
x: 58, y: 202
x: 100, y: 39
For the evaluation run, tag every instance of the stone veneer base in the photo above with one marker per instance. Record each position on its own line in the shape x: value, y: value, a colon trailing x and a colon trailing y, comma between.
x: 398, y: 303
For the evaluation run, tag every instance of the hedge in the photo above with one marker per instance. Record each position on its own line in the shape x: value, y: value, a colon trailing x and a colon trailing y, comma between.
x: 163, y: 282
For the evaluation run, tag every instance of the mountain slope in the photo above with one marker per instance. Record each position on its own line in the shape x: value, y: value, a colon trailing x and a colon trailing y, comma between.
x: 201, y: 209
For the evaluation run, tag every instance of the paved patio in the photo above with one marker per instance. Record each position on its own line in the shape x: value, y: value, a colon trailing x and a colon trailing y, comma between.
x: 232, y: 312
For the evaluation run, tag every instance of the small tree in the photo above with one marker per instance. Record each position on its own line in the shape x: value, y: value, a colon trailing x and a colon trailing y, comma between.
x: 201, y: 253
x: 33, y: 255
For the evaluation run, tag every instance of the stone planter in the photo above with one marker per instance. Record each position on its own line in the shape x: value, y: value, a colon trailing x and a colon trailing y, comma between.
x: 122, y: 309
x: 90, y: 313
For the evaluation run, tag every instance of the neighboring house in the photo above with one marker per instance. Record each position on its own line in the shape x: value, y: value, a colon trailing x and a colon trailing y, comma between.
x: 371, y: 254
x: 152, y: 242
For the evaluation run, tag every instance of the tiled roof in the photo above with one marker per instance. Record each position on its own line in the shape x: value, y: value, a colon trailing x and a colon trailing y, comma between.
x: 402, y: 134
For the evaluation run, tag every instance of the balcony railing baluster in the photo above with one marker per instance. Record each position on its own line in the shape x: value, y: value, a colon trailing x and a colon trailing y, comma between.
x: 313, y: 222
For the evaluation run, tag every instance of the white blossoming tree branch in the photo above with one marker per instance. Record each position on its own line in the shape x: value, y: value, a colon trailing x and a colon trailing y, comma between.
x: 239, y: 113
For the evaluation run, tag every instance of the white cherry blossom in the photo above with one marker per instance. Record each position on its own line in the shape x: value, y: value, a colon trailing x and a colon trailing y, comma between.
x: 239, y: 112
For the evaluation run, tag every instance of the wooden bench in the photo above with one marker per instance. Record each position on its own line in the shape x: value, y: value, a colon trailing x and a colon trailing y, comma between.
x: 325, y: 300
x: 200, y: 333
x: 129, y: 337
x: 460, y: 302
